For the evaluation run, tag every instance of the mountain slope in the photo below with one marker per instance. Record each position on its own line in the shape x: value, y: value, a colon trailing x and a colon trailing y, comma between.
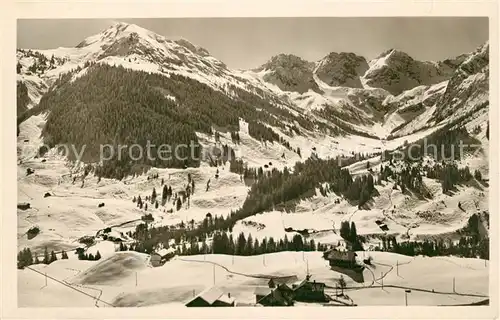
x: 395, y: 71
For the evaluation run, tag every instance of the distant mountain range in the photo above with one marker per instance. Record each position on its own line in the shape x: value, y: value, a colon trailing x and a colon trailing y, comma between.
x: 341, y: 94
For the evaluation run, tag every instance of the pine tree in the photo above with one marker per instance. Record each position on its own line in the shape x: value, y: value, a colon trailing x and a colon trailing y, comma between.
x: 153, y: 195
x: 241, y: 244
x: 164, y: 194
x: 249, y: 249
x: 29, y: 256
x: 46, y: 257
x: 53, y: 256
x: 353, y: 235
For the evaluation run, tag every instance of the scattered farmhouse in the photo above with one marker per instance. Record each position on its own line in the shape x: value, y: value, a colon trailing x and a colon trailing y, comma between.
x: 340, y: 258
x: 158, y: 258
x: 212, y: 297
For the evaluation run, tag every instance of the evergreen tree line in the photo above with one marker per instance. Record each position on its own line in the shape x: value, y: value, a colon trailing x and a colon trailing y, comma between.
x: 467, y: 247
x: 88, y: 256
x: 148, y: 237
x: 26, y: 258
x: 246, y: 246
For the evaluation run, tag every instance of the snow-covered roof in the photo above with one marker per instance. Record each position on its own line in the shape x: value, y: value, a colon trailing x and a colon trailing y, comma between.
x: 165, y: 251
x: 262, y: 291
x: 213, y: 294
x: 226, y: 299
x: 284, y: 280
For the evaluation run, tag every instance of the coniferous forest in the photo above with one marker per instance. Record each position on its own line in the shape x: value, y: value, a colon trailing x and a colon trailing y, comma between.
x: 114, y: 106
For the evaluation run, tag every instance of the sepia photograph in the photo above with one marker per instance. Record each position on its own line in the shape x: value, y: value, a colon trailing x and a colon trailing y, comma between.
x: 253, y: 162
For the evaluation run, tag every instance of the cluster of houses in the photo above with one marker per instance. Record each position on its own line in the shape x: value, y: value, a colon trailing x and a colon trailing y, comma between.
x: 280, y: 292
x: 285, y: 291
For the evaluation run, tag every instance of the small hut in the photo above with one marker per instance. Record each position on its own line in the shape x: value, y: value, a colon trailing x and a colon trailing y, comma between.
x: 24, y: 206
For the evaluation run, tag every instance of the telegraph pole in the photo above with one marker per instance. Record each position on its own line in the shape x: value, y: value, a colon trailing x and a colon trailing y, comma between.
x: 454, y: 284
x: 406, y: 296
x: 136, y: 278
x: 382, y: 279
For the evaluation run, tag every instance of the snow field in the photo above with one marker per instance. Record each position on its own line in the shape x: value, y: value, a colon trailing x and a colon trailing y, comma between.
x: 179, y: 279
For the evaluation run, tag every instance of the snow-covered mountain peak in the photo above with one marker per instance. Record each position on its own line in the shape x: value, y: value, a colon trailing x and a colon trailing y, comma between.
x: 115, y: 32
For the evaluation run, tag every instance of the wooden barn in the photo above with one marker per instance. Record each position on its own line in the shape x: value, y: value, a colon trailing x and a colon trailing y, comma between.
x: 212, y: 297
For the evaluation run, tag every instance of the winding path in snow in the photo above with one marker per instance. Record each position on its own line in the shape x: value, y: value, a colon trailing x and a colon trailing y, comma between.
x: 256, y: 276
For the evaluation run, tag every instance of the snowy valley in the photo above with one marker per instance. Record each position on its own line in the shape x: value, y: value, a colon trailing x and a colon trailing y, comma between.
x: 295, y: 158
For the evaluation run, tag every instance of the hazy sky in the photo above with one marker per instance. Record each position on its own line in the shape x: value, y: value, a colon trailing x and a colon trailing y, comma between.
x: 250, y: 42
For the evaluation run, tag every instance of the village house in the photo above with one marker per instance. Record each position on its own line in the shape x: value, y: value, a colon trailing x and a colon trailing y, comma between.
x: 340, y: 258
x: 309, y: 291
x: 158, y: 258
x: 278, y: 292
x: 277, y: 297
x: 212, y: 297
